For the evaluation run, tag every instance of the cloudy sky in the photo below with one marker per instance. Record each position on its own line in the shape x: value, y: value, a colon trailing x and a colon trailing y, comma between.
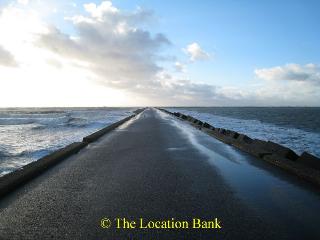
x: 151, y: 52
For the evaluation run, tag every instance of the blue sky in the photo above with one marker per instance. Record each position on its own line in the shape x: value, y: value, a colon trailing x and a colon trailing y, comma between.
x: 242, y: 35
x: 257, y: 49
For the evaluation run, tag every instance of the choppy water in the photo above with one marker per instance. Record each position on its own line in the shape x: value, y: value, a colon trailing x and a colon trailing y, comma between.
x: 29, y: 134
x: 295, y: 127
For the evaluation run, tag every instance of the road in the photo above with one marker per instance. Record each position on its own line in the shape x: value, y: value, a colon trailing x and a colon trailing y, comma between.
x: 157, y: 167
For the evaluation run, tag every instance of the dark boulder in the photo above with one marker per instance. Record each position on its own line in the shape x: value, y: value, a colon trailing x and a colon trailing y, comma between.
x: 260, y: 144
x: 234, y: 135
x: 184, y: 117
x: 244, y: 139
x: 229, y: 133
x: 222, y: 131
x: 217, y: 130
x: 177, y: 114
x: 257, y: 148
x: 281, y: 150
x: 309, y: 160
x: 190, y: 119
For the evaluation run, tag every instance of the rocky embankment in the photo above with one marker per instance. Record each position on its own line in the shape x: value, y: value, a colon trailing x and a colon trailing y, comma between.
x: 305, y: 166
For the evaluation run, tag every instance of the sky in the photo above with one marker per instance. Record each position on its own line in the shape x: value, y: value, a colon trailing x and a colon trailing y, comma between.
x: 159, y: 53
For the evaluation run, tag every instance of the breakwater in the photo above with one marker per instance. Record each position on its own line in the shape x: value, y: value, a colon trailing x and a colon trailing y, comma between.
x: 306, y: 166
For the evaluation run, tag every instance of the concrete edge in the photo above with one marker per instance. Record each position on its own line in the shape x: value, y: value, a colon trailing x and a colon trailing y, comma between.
x: 15, y: 179
x: 11, y: 181
x: 96, y: 135
x: 306, y: 166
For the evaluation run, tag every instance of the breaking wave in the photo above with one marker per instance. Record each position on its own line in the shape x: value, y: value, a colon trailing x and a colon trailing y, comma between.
x: 29, y: 134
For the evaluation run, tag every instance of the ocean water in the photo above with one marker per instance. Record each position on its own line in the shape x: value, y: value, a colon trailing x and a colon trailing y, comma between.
x: 29, y: 134
x: 295, y: 127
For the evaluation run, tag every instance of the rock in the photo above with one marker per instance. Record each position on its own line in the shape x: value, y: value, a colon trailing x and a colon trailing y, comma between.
x: 309, y: 160
x: 234, y: 135
x: 184, y: 117
x: 244, y: 138
x: 257, y: 148
x: 137, y: 111
x: 230, y: 133
x: 200, y: 123
x: 166, y: 111
x: 191, y: 119
x: 206, y: 125
x: 275, y: 148
x: 177, y: 114
x: 260, y: 143
x: 281, y: 150
x: 216, y: 130
x: 222, y: 131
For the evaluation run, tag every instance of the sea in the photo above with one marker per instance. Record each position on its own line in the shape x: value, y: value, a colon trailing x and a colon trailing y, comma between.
x: 27, y: 134
x: 297, y: 128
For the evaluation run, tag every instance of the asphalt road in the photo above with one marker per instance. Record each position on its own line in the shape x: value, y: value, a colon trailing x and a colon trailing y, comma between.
x: 156, y: 167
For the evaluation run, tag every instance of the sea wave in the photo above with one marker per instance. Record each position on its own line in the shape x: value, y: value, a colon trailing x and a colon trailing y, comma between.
x: 15, y: 121
x: 27, y: 135
x: 34, y: 154
x: 4, y: 154
x: 297, y: 139
x: 77, y: 122
x: 33, y: 120
x: 4, y: 151
x: 40, y: 123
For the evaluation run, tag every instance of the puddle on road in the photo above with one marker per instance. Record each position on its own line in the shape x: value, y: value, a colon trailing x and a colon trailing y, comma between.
x: 176, y: 149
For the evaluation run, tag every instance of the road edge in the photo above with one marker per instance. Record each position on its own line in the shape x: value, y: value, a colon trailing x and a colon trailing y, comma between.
x: 306, y: 166
x: 16, y: 179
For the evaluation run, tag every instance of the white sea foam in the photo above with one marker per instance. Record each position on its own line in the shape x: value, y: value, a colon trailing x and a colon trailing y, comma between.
x: 27, y: 135
x: 297, y: 139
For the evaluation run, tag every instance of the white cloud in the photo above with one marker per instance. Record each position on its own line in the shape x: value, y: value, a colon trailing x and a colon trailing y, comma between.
x: 114, y: 60
x: 6, y: 58
x: 121, y: 54
x: 179, y: 67
x: 23, y: 2
x: 287, y: 85
x: 98, y: 12
x: 110, y: 48
x: 196, y: 53
x: 291, y: 72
